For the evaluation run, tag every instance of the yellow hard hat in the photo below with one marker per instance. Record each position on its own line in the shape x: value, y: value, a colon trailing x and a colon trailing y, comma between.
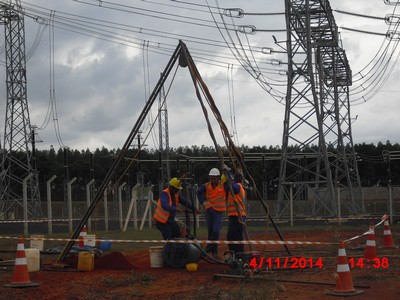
x: 191, y: 267
x: 176, y: 183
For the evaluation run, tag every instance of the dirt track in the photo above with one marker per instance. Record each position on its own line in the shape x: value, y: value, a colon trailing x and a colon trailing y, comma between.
x: 151, y: 283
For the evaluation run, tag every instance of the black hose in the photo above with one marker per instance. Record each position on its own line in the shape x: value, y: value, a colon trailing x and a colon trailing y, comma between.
x: 206, y: 256
x: 193, y: 211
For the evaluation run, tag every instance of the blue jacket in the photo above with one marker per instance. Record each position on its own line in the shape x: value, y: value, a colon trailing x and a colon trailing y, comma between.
x: 164, y: 199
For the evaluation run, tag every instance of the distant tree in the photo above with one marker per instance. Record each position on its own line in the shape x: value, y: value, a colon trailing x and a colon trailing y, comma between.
x: 373, y: 169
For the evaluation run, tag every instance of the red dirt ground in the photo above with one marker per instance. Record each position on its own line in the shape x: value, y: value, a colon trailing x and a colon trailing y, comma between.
x: 151, y: 283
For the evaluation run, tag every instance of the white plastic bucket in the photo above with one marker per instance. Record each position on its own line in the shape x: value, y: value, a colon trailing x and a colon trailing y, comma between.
x: 37, y: 244
x: 89, y: 240
x: 156, y: 260
x: 32, y: 259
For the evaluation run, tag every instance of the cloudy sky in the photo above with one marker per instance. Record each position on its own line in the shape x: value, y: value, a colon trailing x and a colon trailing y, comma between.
x: 92, y: 65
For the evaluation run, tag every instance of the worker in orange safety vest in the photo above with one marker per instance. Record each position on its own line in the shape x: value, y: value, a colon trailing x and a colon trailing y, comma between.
x: 213, y: 196
x: 236, y: 223
x: 167, y: 206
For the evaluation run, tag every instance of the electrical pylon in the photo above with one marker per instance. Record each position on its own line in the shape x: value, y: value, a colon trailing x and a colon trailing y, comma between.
x: 19, y: 178
x: 165, y: 172
x: 318, y: 159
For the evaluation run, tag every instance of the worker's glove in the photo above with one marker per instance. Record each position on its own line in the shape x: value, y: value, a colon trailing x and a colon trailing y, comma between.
x: 245, y: 183
x: 223, y: 178
x: 226, y: 168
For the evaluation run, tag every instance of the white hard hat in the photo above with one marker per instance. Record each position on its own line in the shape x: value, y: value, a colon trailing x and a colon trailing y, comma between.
x: 214, y: 172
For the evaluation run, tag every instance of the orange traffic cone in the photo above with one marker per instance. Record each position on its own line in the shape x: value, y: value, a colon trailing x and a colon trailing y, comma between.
x: 387, y: 235
x: 21, y: 276
x: 370, y: 249
x: 344, y: 281
x: 81, y: 242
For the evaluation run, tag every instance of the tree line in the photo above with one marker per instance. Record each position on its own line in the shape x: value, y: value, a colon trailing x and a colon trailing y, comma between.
x: 195, y: 162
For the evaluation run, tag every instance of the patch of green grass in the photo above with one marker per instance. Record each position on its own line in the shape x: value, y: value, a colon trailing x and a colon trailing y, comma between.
x: 153, y: 234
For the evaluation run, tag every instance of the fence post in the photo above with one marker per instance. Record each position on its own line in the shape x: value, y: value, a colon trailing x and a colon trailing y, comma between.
x: 291, y: 205
x: 70, y: 204
x: 25, y: 201
x: 131, y: 206
x: 88, y: 200
x: 49, y: 208
x: 121, y: 223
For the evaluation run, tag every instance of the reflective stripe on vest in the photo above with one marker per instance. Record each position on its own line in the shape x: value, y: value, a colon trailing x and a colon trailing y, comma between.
x: 215, y: 197
x: 239, y: 197
x: 161, y: 214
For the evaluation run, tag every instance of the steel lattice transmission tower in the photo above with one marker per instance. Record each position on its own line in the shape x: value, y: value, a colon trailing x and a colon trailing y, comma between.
x: 17, y: 158
x: 317, y: 117
x: 165, y: 172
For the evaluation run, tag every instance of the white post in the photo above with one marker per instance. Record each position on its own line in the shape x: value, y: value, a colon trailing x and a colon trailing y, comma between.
x: 390, y: 203
x: 105, y: 210
x: 2, y: 173
x: 121, y: 222
x: 133, y: 200
x: 146, y: 210
x: 69, y: 193
x: 338, y: 206
x: 197, y: 206
x: 88, y: 200
x: 291, y: 205
x: 49, y: 209
x: 25, y: 201
x: 150, y: 200
x: 144, y: 215
x: 198, y: 216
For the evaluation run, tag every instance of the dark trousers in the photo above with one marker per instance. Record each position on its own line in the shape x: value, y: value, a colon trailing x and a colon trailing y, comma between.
x: 214, y: 224
x: 169, y: 230
x: 235, y: 233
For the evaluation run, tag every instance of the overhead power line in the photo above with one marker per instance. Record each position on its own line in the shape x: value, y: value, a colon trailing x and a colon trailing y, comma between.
x: 110, y: 31
x: 268, y: 73
x: 359, y: 15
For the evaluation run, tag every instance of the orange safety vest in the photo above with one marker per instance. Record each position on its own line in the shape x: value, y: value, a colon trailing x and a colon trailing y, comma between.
x: 162, y: 215
x: 215, y: 197
x: 239, y: 199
